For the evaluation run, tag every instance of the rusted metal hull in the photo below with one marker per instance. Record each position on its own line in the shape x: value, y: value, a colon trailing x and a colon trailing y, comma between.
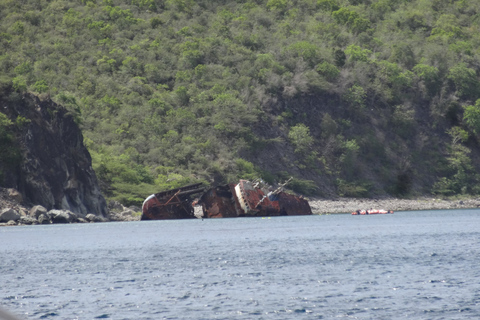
x: 218, y: 203
x: 253, y: 201
x: 291, y: 205
x: 244, y: 199
x: 171, y: 204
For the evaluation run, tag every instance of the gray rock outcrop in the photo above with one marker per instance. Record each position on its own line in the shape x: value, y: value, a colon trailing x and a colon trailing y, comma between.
x: 62, y: 216
x: 55, y: 170
x: 117, y: 212
x: 44, y: 219
x: 37, y: 210
x: 9, y: 214
x: 27, y: 220
x: 93, y: 218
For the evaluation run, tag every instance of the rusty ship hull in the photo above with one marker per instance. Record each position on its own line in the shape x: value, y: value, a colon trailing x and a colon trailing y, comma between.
x: 242, y: 199
x: 245, y: 199
x: 171, y: 204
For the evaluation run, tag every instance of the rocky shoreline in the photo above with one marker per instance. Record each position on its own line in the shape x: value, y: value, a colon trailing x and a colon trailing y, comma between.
x: 13, y: 212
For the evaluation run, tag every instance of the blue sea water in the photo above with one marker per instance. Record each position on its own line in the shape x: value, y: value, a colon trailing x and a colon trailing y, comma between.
x: 409, y: 265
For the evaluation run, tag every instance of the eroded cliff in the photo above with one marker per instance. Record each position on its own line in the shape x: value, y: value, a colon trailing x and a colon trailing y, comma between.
x: 54, y: 168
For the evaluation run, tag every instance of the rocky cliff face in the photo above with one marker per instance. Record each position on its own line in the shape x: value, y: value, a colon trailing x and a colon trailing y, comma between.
x: 55, y: 170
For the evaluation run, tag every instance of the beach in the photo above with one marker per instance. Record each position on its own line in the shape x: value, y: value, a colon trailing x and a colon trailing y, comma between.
x: 348, y: 205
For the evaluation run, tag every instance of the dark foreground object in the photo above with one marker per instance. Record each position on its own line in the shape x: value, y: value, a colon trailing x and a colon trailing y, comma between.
x: 244, y: 199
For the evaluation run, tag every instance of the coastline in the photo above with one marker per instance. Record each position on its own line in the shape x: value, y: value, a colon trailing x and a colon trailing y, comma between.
x: 348, y: 205
x: 10, y: 199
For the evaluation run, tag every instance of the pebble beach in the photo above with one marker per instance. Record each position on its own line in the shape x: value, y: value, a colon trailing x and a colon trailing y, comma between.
x: 348, y: 205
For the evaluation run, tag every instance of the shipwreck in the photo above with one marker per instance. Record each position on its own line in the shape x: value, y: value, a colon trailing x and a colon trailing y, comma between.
x: 171, y: 204
x: 242, y: 199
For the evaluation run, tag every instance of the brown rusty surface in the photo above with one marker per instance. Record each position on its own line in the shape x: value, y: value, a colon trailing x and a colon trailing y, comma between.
x: 176, y: 209
x: 292, y: 205
x: 218, y: 203
x: 171, y: 204
x: 222, y: 202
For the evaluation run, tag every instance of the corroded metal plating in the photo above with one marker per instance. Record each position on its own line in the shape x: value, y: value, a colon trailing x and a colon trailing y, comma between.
x: 248, y: 199
x: 243, y: 199
x: 171, y: 204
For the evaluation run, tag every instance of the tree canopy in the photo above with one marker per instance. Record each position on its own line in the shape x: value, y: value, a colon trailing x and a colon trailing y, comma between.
x: 352, y: 97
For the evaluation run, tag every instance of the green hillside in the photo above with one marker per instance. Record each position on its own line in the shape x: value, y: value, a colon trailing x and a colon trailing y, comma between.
x: 351, y: 97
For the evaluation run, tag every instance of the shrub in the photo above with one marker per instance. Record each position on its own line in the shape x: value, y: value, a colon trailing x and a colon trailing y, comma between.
x: 40, y: 86
x: 306, y: 187
x: 471, y: 117
x: 300, y: 137
x: 352, y: 189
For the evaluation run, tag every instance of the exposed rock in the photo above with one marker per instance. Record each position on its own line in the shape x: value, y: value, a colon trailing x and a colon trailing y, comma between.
x: 36, y: 211
x: 44, y: 219
x: 135, y: 209
x: 115, y: 206
x: 27, y: 220
x: 55, y: 170
x: 125, y: 215
x: 11, y: 223
x: 114, y: 216
x: 15, y: 195
x: 7, y: 202
x: 22, y: 211
x: 9, y: 214
x: 93, y: 218
x: 62, y: 216
x: 118, y: 212
x: 131, y: 215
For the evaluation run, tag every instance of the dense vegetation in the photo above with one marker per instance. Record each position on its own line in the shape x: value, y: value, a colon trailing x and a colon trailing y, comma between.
x: 353, y: 97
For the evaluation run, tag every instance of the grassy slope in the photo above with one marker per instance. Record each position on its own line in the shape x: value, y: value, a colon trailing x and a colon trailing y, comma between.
x: 351, y: 97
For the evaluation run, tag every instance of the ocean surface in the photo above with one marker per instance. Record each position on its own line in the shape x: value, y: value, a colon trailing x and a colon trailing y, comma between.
x: 409, y: 265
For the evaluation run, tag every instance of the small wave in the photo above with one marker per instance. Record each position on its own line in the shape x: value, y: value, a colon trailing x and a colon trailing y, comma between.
x: 48, y: 315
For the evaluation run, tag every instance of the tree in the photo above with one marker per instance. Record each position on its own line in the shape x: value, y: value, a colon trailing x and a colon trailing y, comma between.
x: 356, y: 53
x: 356, y: 96
x: 300, y: 137
x: 461, y: 177
x: 471, y: 117
x: 430, y: 76
x: 465, y: 81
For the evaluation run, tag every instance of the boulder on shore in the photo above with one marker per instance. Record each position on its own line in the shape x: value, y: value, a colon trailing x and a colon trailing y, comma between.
x: 118, y: 212
x: 44, y: 219
x: 94, y: 218
x: 36, y: 211
x: 27, y: 220
x: 62, y: 216
x: 9, y: 214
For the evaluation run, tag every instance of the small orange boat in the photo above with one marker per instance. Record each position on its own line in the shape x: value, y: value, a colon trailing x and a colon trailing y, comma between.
x: 371, y: 211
